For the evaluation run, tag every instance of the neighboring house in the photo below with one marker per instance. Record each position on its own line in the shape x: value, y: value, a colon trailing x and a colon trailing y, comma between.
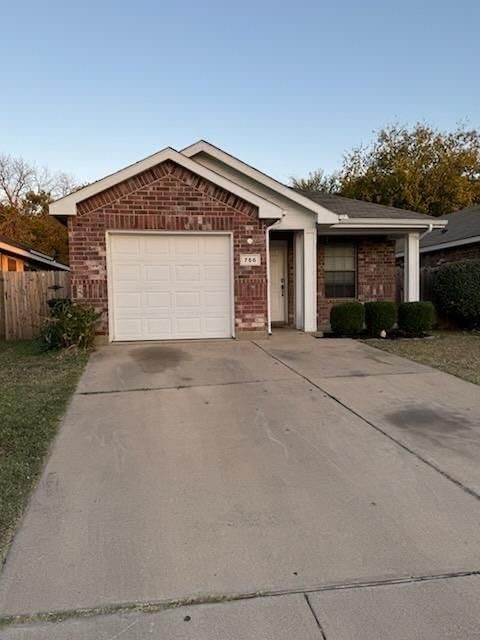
x: 198, y: 244
x: 15, y: 256
x: 460, y: 240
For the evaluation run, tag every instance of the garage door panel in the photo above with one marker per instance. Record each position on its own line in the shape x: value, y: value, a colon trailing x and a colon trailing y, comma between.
x: 187, y: 272
x: 159, y: 300
x: 156, y: 273
x: 187, y: 300
x: 170, y: 286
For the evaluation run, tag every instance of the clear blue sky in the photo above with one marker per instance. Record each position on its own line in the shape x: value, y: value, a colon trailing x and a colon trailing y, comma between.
x: 88, y: 87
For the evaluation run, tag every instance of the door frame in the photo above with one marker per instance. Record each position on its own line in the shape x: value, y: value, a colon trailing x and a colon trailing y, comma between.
x: 127, y: 232
x: 281, y: 244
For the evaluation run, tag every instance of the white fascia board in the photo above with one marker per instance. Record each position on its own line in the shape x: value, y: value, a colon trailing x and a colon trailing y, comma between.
x: 446, y: 245
x: 67, y: 206
x: 33, y: 257
x: 324, y: 216
x: 389, y: 224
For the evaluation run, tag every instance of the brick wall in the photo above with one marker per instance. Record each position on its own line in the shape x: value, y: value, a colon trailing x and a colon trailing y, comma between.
x: 170, y: 198
x: 375, y: 274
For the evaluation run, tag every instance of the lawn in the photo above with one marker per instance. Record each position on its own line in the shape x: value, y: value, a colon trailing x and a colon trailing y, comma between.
x: 35, y: 387
x: 455, y: 352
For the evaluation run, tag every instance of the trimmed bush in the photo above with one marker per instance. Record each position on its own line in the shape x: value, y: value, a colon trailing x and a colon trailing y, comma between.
x: 416, y: 318
x: 456, y: 288
x: 379, y: 316
x: 347, y: 318
x: 69, y: 325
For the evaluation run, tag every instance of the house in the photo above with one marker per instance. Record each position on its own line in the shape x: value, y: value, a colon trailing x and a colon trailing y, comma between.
x: 199, y: 244
x: 15, y: 256
x: 460, y: 240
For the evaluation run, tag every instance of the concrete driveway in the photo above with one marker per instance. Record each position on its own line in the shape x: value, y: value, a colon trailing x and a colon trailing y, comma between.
x: 282, y: 488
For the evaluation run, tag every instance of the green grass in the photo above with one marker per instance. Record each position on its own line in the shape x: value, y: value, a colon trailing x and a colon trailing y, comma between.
x: 455, y: 352
x: 35, y: 387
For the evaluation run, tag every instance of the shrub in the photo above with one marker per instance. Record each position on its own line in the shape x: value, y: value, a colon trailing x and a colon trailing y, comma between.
x: 416, y: 318
x: 379, y: 316
x: 69, y: 325
x: 456, y: 288
x: 347, y: 318
x: 58, y: 305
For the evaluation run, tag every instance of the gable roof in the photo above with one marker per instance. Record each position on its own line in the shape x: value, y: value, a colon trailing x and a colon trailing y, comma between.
x: 29, y: 253
x: 361, y: 209
x: 67, y: 206
x: 463, y: 227
x: 324, y: 215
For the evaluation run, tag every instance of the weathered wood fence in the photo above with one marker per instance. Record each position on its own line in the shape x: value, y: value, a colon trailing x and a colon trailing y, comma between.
x: 23, y: 300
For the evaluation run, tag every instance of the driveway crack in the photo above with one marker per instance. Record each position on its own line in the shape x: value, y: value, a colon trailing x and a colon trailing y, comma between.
x: 315, y: 616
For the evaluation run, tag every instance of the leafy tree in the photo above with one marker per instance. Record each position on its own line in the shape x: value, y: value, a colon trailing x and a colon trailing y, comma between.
x: 25, y: 193
x: 417, y: 168
x: 316, y: 181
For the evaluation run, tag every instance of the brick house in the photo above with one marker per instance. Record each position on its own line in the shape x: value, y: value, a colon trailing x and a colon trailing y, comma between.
x: 460, y: 240
x: 198, y: 244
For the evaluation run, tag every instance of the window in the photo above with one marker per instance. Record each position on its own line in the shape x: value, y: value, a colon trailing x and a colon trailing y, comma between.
x: 340, y: 269
x: 11, y: 264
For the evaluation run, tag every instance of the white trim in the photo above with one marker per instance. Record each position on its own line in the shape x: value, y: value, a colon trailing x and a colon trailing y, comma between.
x: 67, y: 206
x: 33, y: 256
x: 128, y: 232
x: 324, y: 216
x: 388, y: 223
x: 412, y: 268
x: 299, y: 292
x: 453, y: 243
x: 310, y: 277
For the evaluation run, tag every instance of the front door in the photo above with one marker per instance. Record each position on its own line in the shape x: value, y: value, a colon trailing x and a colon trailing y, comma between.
x: 278, y: 281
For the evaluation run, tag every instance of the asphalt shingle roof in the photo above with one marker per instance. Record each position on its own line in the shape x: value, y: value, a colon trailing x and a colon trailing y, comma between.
x: 461, y: 225
x: 360, y: 209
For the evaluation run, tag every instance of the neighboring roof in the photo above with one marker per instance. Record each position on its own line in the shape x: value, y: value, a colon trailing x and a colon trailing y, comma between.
x: 31, y: 254
x: 361, y: 209
x: 67, y: 206
x: 463, y: 228
x: 324, y: 215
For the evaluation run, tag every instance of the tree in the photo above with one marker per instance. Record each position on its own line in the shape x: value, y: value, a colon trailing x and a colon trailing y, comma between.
x: 418, y: 168
x: 316, y: 181
x: 25, y: 193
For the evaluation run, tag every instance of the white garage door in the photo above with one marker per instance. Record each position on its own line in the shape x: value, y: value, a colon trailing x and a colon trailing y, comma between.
x: 170, y: 286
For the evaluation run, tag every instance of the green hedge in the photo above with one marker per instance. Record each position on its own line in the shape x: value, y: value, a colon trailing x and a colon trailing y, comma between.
x: 456, y: 289
x: 416, y: 318
x: 379, y: 316
x: 347, y: 318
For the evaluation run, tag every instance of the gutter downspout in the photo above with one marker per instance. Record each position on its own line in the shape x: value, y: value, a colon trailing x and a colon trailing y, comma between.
x: 429, y: 230
x: 267, y: 253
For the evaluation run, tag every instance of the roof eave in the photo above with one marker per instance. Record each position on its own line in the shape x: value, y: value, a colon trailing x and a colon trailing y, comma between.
x: 67, y: 206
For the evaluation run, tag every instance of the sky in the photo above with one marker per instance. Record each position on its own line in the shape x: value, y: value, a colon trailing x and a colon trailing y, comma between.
x: 89, y: 87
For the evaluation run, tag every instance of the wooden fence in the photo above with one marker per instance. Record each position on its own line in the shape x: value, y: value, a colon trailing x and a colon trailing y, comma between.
x: 23, y: 300
x: 427, y: 276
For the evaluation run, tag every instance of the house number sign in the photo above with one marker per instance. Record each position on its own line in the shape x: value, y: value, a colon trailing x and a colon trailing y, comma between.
x: 250, y: 260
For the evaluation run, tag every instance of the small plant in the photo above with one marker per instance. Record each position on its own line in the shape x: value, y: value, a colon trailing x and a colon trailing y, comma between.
x: 379, y: 316
x: 416, y: 318
x: 456, y: 288
x: 347, y: 318
x: 69, y: 325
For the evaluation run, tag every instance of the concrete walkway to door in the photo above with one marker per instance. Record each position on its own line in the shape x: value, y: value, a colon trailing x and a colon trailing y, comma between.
x: 282, y: 488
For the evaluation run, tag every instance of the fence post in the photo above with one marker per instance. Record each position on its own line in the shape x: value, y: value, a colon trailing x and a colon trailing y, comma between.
x: 3, y: 308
